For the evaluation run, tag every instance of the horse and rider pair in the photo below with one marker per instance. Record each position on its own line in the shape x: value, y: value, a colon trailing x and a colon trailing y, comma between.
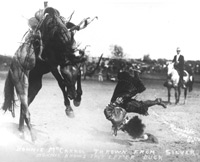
x: 39, y: 15
x: 179, y: 62
x: 179, y: 65
x: 47, y: 47
x: 178, y: 77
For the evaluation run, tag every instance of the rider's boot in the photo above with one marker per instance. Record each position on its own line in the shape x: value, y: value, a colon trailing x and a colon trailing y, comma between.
x: 165, y: 84
x: 160, y: 102
x: 183, y: 84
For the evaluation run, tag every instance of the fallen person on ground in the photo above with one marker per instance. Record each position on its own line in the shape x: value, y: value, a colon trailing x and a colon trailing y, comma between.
x: 122, y: 102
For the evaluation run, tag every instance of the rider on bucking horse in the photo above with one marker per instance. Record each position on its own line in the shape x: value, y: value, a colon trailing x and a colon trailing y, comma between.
x: 39, y: 15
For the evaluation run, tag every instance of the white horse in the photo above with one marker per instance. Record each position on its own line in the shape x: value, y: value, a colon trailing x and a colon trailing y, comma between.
x: 173, y: 78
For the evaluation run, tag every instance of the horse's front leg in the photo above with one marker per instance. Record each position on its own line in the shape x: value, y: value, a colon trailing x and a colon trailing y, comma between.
x: 69, y: 111
x: 177, y: 95
x: 185, y: 95
x: 79, y: 91
x: 169, y: 94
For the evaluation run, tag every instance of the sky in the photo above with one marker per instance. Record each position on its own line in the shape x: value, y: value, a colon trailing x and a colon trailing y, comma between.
x: 140, y: 27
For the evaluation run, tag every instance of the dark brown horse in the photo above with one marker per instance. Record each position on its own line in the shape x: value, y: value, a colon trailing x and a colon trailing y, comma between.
x: 58, y: 51
x: 57, y: 57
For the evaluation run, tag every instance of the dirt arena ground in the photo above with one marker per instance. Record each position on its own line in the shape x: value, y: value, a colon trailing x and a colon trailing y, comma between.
x: 87, y: 137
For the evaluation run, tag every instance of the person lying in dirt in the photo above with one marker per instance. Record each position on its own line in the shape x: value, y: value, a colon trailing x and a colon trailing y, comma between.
x: 122, y: 101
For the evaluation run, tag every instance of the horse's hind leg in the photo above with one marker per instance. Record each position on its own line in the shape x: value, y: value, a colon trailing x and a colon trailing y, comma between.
x: 169, y: 94
x: 21, y: 123
x: 35, y: 84
x: 25, y: 114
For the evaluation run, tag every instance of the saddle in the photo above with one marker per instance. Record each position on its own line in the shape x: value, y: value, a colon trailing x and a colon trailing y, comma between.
x: 184, y: 72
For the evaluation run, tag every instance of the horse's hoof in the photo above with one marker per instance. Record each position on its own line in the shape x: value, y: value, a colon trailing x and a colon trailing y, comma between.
x: 76, y: 103
x: 114, y: 133
x: 21, y: 135
x: 161, y: 103
x: 13, y: 113
x: 69, y: 113
x: 33, y: 138
x: 169, y: 103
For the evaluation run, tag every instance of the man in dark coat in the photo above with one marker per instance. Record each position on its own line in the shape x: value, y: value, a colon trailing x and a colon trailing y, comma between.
x: 122, y: 102
x: 179, y: 65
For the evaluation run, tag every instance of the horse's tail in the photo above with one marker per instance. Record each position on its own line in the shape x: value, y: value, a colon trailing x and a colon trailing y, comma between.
x: 9, y: 98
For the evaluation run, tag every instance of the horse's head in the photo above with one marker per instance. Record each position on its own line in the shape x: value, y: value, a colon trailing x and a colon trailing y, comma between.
x: 172, y: 76
x: 170, y: 68
x: 71, y: 74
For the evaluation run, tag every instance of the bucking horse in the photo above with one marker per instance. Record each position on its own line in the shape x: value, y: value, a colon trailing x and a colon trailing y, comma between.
x: 48, y: 48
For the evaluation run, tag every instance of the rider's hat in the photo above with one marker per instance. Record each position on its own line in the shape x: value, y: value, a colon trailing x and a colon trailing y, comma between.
x: 39, y: 14
x: 178, y: 49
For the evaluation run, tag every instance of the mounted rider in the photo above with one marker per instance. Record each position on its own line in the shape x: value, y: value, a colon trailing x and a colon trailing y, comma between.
x: 179, y: 64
